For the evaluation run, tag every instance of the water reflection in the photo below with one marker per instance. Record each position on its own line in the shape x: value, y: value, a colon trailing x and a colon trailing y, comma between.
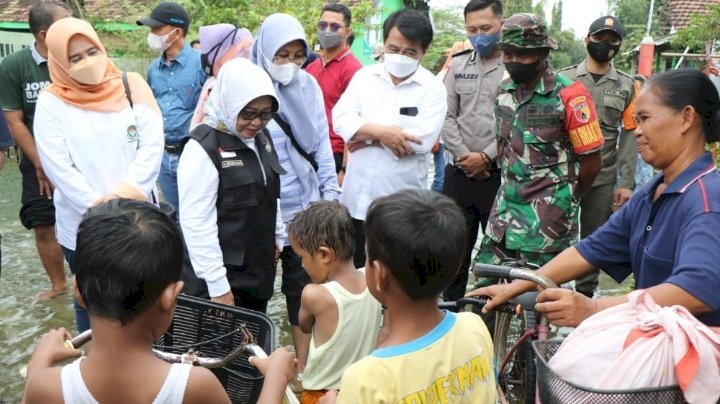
x: 24, y: 321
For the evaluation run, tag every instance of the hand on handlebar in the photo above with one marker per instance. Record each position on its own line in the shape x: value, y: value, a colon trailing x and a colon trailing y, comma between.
x: 497, y: 294
x: 565, y: 307
x: 53, y: 348
x: 281, y: 361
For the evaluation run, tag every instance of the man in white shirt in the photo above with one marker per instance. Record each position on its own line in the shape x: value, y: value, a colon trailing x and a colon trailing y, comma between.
x: 390, y: 116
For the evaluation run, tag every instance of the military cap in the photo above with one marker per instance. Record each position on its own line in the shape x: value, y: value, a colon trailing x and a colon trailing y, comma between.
x: 526, y: 31
x: 607, y: 23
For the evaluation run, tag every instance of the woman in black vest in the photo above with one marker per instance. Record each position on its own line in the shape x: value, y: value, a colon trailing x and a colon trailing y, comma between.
x: 229, y: 185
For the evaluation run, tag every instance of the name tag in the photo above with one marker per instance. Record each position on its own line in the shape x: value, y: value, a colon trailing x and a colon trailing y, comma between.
x: 617, y: 93
x: 227, y: 154
x: 232, y: 163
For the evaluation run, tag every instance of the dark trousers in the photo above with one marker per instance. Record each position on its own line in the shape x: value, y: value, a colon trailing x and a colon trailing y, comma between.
x: 359, y: 236
x: 294, y: 280
x: 476, y: 199
x: 82, y: 319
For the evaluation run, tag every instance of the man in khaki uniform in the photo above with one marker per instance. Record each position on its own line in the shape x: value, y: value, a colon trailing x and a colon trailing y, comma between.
x: 613, y: 93
x: 471, y: 176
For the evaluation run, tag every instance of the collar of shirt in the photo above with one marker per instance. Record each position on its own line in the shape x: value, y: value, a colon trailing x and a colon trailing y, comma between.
x: 181, y: 58
x: 340, y: 56
x: 544, y: 86
x: 610, y: 75
x: 698, y: 169
x: 37, y: 57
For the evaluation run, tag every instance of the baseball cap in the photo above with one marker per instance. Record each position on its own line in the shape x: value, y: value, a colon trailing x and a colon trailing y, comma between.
x: 607, y: 23
x: 167, y: 13
x: 526, y: 31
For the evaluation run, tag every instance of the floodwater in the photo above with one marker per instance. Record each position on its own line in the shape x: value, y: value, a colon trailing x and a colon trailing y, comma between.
x: 23, y: 321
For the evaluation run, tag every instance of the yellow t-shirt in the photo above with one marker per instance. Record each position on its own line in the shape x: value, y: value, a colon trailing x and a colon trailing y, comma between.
x: 450, y: 364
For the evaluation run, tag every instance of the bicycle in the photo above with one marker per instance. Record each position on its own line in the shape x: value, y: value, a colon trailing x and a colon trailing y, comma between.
x: 524, y: 375
x: 513, y: 334
x: 218, y: 337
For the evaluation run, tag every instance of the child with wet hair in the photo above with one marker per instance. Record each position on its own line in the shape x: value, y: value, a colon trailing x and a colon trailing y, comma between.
x: 337, y: 307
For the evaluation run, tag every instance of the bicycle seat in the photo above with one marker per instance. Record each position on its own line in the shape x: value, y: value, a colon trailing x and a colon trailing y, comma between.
x: 526, y: 300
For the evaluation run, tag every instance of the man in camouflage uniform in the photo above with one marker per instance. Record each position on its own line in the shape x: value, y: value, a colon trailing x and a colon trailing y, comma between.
x: 613, y: 93
x: 549, y: 144
x: 471, y: 176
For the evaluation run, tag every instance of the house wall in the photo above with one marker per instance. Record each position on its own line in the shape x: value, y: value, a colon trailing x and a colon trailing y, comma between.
x: 13, y: 41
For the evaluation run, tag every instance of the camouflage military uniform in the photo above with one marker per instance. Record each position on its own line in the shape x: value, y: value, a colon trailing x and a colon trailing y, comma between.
x: 535, y: 214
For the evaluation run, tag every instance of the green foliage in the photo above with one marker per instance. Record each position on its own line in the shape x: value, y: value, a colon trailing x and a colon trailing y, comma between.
x: 570, y: 50
x: 449, y: 28
x: 557, y: 15
x: 242, y: 13
x: 633, y: 14
x: 702, y: 28
x: 250, y: 13
x: 518, y: 6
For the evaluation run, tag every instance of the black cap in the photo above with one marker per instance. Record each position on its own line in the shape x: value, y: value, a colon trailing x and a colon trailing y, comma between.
x: 607, y: 23
x: 168, y: 13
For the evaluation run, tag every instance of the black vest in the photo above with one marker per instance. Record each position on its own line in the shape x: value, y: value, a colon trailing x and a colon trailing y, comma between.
x: 246, y: 207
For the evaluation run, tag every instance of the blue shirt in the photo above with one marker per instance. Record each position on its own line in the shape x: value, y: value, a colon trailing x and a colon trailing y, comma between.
x: 675, y: 239
x: 176, y: 86
x: 5, y: 138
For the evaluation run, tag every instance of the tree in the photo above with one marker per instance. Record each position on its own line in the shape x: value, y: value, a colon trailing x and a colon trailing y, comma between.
x: 703, y: 29
x: 557, y: 14
x: 242, y: 13
x: 449, y: 28
x: 633, y: 14
x: 518, y: 6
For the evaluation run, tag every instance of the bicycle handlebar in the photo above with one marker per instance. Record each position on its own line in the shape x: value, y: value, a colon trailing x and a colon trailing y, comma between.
x: 479, y: 302
x: 500, y: 271
x: 193, y: 359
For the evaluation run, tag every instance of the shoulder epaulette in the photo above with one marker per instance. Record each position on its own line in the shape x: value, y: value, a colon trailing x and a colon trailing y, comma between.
x: 462, y: 52
x: 568, y: 68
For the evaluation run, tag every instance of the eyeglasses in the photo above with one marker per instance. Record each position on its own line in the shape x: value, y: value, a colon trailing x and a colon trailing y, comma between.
x: 281, y: 60
x: 265, y: 115
x: 334, y: 27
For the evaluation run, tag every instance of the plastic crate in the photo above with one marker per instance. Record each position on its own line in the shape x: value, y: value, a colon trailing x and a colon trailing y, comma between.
x: 553, y: 389
x: 199, y: 320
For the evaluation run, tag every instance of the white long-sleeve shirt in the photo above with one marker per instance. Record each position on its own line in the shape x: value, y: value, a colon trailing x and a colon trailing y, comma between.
x: 88, y: 154
x: 198, y: 182
x: 371, y: 97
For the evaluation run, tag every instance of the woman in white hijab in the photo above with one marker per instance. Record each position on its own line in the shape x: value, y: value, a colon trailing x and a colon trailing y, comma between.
x: 229, y: 185
x: 300, y: 133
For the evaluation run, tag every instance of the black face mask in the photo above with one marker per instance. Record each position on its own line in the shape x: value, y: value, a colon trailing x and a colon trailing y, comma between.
x: 205, y: 61
x: 602, y: 52
x: 522, y: 73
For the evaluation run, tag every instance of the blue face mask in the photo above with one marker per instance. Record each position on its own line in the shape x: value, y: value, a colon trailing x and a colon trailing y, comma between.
x: 484, y: 44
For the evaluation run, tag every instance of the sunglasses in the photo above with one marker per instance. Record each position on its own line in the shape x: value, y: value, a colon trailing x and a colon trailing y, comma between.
x: 334, y: 27
x: 265, y: 115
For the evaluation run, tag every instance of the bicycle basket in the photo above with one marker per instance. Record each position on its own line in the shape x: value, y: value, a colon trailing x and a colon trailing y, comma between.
x: 555, y: 390
x: 197, y: 321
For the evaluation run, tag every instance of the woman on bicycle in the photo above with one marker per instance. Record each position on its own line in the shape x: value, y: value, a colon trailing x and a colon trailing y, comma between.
x: 667, y: 234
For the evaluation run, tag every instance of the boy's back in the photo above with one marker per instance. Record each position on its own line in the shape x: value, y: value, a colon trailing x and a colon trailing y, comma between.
x: 450, y: 364
x: 358, y: 324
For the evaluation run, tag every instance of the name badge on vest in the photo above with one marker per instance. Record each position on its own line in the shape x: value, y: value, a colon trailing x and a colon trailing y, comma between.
x: 226, y: 154
x: 232, y: 163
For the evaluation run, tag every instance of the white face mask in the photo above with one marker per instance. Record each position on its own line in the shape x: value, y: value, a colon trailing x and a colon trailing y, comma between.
x: 159, y: 42
x: 400, y: 66
x: 283, y: 73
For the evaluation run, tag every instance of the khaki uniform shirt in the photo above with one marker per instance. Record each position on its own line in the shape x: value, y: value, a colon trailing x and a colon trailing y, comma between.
x: 614, y: 98
x: 471, y: 83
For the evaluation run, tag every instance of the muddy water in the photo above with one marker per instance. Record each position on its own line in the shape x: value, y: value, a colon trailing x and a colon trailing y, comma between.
x: 24, y: 321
